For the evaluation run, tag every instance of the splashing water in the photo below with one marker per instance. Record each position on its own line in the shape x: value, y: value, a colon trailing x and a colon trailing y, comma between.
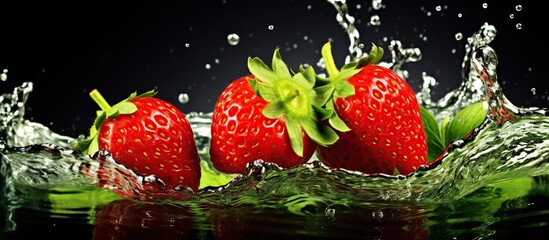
x: 511, y: 143
x: 467, y: 165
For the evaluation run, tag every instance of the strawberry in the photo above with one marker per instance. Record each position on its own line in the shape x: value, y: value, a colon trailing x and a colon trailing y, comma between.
x: 271, y: 115
x: 377, y: 116
x: 149, y: 136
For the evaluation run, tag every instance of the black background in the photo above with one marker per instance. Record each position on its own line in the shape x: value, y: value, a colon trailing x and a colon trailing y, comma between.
x: 67, y: 49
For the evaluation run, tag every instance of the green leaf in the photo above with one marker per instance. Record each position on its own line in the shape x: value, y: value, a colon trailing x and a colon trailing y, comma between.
x: 279, y: 67
x: 302, y: 80
x: 309, y: 74
x: 261, y: 71
x: 344, y: 89
x: 266, y: 92
x: 452, y: 127
x: 274, y: 110
x: 320, y: 133
x: 435, y: 142
x: 211, y: 177
x: 63, y: 200
x: 323, y: 94
x: 322, y: 113
x: 375, y: 55
x: 295, y: 134
x: 465, y: 121
x: 124, y: 108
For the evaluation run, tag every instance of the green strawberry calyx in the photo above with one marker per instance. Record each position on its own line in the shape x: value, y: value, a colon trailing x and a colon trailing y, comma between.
x: 90, y: 144
x: 292, y: 96
x: 336, y: 85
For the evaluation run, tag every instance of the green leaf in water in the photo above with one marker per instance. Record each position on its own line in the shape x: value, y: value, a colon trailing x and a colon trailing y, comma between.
x: 435, y: 140
x: 464, y: 121
x: 452, y: 127
x: 211, y: 177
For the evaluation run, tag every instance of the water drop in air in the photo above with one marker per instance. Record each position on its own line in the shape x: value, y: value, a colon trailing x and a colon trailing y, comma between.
x: 459, y: 36
x: 512, y: 16
x: 330, y: 212
x: 375, y: 21
x: 187, y: 45
x: 377, y: 4
x: 183, y: 98
x: 518, y: 8
x: 271, y: 27
x: 460, y: 15
x: 533, y: 90
x: 377, y: 214
x: 4, y: 75
x: 233, y: 39
x: 485, y: 5
x: 208, y: 66
x: 519, y: 26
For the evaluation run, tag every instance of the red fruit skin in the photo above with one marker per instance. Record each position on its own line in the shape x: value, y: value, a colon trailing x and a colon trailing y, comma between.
x: 126, y: 219
x: 242, y: 134
x: 157, y: 139
x: 386, y: 127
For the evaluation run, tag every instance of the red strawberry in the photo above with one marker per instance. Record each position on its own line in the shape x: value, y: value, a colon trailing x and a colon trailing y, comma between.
x: 147, y: 135
x: 270, y: 115
x: 378, y: 115
x: 126, y: 219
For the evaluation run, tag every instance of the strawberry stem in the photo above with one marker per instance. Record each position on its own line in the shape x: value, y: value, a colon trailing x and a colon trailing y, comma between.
x: 98, y: 98
x: 331, y: 67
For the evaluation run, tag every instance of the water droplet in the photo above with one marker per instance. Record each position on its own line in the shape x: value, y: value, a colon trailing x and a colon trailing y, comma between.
x: 329, y: 212
x: 187, y: 45
x: 271, y: 27
x: 377, y: 4
x: 459, y: 36
x: 428, y: 14
x: 519, y: 26
x: 216, y: 61
x: 533, y: 90
x: 208, y: 66
x: 309, y: 7
x: 512, y: 16
x: 460, y: 15
x: 377, y: 214
x: 438, y: 8
x: 183, y: 98
x: 485, y: 5
x: 233, y: 39
x: 305, y: 37
x: 4, y: 75
x: 375, y: 21
x: 453, y: 51
x: 518, y: 8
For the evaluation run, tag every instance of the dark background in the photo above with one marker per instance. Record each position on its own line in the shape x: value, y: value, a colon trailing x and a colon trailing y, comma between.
x: 67, y: 49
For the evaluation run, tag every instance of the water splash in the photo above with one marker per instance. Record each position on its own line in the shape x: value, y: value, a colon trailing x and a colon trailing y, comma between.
x: 511, y: 143
x: 471, y: 89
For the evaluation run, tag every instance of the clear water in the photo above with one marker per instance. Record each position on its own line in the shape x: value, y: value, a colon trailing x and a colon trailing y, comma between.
x: 490, y: 184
